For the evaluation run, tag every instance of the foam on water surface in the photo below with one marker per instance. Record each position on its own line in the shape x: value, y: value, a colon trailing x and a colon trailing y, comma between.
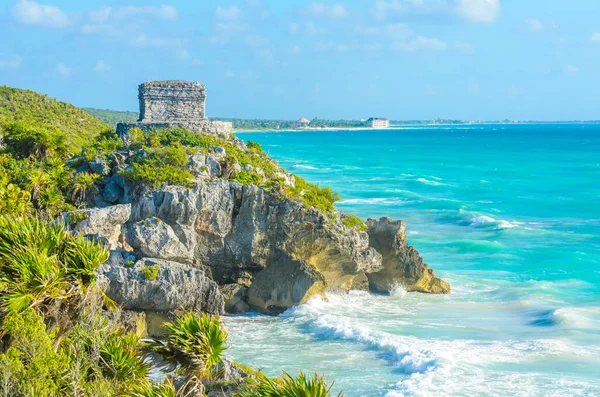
x: 513, y: 225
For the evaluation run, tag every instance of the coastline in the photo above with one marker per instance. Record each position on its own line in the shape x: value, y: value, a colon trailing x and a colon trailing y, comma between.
x: 415, y: 126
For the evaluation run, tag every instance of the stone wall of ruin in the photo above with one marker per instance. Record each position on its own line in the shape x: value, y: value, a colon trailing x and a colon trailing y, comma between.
x: 172, y: 100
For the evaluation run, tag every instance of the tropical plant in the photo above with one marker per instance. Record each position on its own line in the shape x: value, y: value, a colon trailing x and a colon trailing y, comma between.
x: 193, y: 344
x: 151, y: 389
x: 287, y: 386
x: 43, y: 266
x: 121, y: 360
x: 37, y: 180
x: 84, y: 184
x: 13, y: 200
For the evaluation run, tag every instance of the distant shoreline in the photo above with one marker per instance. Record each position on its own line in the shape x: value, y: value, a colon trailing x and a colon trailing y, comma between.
x: 414, y: 125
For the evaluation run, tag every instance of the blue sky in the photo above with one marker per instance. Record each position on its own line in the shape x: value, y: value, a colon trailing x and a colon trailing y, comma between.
x: 402, y: 59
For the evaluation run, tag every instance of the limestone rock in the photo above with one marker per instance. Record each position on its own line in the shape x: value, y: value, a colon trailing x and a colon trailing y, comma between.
x: 234, y: 296
x: 134, y: 322
x: 213, y: 165
x: 283, y: 284
x: 156, y: 239
x: 105, y: 222
x: 402, y: 264
x: 219, y: 152
x: 197, y: 163
x: 112, y: 192
x: 176, y: 287
x: 99, y: 166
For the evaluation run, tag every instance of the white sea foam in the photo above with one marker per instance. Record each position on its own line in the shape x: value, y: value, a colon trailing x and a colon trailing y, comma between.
x: 304, y: 167
x: 482, y: 220
x: 375, y: 200
x: 430, y: 182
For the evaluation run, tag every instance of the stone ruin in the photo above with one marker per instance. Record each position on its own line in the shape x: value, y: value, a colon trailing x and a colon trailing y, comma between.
x: 175, y: 104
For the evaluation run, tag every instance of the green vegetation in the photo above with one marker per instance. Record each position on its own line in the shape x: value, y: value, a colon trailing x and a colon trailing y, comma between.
x: 354, y: 222
x: 54, y: 341
x: 313, y: 195
x: 113, y: 117
x: 150, y: 273
x: 194, y: 345
x: 34, y: 176
x: 287, y: 386
x: 129, y: 264
x: 42, y: 264
x: 48, y: 116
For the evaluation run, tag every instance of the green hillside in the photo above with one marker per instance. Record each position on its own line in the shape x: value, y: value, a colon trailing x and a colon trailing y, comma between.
x: 42, y: 112
x: 112, y: 117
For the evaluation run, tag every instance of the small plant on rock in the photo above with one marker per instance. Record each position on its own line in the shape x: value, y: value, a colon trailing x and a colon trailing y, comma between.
x: 354, y: 222
x: 150, y: 272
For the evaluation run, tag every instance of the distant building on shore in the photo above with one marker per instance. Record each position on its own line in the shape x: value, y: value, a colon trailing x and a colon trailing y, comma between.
x: 302, y: 122
x: 376, y: 122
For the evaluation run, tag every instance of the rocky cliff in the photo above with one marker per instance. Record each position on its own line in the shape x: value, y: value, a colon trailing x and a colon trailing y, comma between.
x: 220, y: 245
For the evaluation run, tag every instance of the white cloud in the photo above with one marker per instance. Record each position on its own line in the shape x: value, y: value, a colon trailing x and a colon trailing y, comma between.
x: 63, y: 70
x: 463, y: 47
x: 336, y: 10
x: 394, y: 31
x: 479, y: 10
x: 596, y: 37
x: 403, y: 38
x: 470, y: 10
x: 166, y: 12
x: 182, y: 54
x: 421, y: 42
x: 32, y: 13
x: 294, y: 49
x: 387, y: 9
x: 572, y: 68
x: 10, y: 64
x: 143, y: 40
x: 230, y: 13
x: 535, y: 25
x: 101, y: 67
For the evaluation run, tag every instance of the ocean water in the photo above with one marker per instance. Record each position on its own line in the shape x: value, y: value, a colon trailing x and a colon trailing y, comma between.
x: 509, y: 215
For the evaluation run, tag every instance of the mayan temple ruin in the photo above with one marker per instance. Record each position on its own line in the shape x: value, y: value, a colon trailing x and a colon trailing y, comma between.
x: 175, y: 104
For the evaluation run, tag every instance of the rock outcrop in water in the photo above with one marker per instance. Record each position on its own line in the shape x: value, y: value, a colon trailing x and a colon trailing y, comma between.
x: 402, y: 264
x: 266, y: 251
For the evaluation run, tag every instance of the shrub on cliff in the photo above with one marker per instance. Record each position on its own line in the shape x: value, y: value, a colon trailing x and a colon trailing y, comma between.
x: 287, y: 386
x: 354, y: 222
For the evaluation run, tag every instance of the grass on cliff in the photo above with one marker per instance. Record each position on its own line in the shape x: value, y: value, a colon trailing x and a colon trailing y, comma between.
x: 48, y: 116
x: 165, y: 157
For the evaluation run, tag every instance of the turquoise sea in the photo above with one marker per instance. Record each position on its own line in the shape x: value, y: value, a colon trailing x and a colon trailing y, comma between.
x: 508, y: 214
